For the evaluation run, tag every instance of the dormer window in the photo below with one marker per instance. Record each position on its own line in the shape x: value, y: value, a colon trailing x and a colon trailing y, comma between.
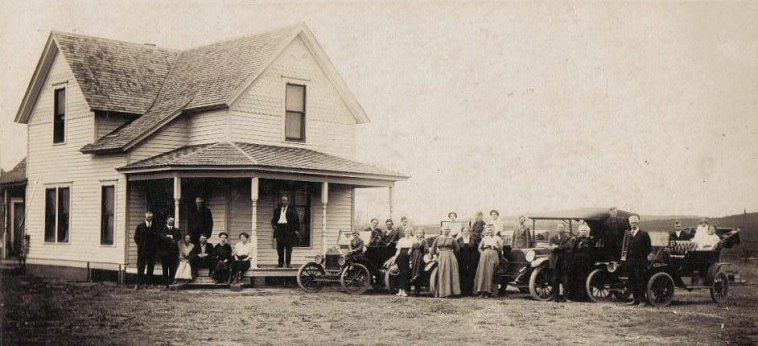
x: 59, y: 116
x: 294, y: 121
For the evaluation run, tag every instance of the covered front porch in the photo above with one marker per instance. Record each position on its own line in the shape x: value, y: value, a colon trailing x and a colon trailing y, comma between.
x: 242, y: 198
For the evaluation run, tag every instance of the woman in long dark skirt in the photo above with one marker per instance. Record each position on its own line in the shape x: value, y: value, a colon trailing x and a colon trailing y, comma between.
x: 403, y: 261
x: 418, y: 250
x: 468, y: 259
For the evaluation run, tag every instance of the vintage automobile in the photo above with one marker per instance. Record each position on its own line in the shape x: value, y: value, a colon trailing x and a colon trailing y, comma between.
x: 674, y: 264
x: 355, y: 272
x: 530, y: 270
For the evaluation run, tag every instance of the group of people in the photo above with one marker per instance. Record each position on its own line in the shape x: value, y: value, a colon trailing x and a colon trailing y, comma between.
x: 181, y: 254
x: 467, y: 255
x: 704, y: 236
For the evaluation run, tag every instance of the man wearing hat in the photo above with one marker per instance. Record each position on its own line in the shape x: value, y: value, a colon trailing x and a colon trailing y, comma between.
x: 637, y: 252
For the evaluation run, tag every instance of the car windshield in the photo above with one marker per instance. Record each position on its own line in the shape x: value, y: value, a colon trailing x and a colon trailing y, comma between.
x: 659, y: 239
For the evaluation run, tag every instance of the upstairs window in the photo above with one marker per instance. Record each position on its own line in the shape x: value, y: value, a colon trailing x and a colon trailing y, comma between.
x: 294, y: 122
x: 59, y: 116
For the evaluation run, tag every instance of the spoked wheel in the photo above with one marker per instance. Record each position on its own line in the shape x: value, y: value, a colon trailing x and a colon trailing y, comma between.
x: 540, y: 284
x: 598, y: 286
x: 720, y: 288
x: 356, y: 279
x: 660, y: 289
x: 308, y: 275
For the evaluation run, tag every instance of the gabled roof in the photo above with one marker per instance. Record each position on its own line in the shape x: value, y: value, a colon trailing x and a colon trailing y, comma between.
x: 237, y: 155
x: 15, y: 176
x: 113, y: 76
x: 160, y: 84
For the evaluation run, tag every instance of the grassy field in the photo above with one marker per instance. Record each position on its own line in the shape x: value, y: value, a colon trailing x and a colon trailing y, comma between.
x: 39, y: 311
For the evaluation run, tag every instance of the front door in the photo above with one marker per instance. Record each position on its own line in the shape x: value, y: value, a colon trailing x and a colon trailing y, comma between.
x: 17, y: 224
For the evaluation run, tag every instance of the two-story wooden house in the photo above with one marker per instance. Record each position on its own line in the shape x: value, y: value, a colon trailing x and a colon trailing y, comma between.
x: 117, y: 128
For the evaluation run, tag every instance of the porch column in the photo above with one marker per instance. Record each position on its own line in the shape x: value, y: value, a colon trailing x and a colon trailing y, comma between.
x: 324, y: 202
x: 391, y: 199
x: 5, y: 223
x: 177, y: 199
x: 254, y: 220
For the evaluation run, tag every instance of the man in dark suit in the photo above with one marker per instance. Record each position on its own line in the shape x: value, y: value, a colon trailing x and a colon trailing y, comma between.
x: 563, y: 244
x: 202, y: 256
x: 147, y: 239
x: 637, y: 252
x: 169, y: 251
x: 614, y: 231
x: 377, y: 236
x: 200, y: 221
x: 391, y: 234
x: 286, y: 225
x: 678, y: 233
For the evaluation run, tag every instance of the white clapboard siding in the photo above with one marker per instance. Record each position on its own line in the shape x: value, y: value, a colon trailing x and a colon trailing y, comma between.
x: 208, y: 127
x: 51, y: 164
x: 136, y: 214
x: 106, y: 122
x: 170, y: 137
x: 258, y: 115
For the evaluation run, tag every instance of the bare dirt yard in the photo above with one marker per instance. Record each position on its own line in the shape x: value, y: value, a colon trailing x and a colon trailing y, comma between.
x: 41, y: 311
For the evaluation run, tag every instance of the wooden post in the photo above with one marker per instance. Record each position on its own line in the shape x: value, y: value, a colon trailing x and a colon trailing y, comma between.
x: 391, y: 199
x: 324, y: 202
x: 177, y: 199
x: 6, y: 210
x: 254, y: 220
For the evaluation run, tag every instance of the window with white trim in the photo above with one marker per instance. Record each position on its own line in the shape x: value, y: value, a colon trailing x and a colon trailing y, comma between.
x: 107, y: 214
x: 57, y: 214
x: 294, y: 119
x: 59, y: 116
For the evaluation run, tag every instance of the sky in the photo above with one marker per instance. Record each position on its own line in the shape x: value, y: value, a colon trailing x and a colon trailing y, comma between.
x: 515, y: 106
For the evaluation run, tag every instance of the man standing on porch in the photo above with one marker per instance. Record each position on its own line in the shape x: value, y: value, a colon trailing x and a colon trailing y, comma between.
x: 286, y: 224
x: 200, y: 221
x: 147, y: 239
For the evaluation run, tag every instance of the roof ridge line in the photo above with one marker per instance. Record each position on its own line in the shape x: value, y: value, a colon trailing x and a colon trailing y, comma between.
x: 144, y: 45
x: 249, y: 157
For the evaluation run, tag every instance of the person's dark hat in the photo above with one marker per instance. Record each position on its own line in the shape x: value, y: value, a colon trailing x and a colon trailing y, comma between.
x: 223, y: 233
x: 452, y: 213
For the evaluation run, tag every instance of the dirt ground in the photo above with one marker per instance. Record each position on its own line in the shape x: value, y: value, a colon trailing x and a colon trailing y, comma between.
x: 40, y: 311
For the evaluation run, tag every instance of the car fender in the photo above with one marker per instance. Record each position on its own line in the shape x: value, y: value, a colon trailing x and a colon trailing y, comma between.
x: 539, y: 261
x: 713, y: 270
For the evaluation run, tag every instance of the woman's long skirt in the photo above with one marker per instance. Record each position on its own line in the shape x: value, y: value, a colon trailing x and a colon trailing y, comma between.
x: 403, y: 262
x: 448, y: 275
x: 484, y: 282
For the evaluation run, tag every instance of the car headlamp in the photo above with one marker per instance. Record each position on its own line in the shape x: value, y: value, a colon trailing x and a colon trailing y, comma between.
x: 612, y: 267
x: 318, y: 258
x: 530, y: 255
x: 341, y: 260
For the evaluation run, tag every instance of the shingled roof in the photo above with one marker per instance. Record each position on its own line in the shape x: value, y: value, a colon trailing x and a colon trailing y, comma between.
x: 116, y: 76
x: 17, y: 175
x: 237, y: 155
x: 201, y: 78
x: 159, y: 84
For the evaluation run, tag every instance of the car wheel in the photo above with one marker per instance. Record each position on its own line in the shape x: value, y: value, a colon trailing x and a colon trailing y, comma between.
x: 355, y: 279
x: 720, y: 288
x: 660, y: 289
x: 540, y: 286
x: 598, y: 286
x: 308, y: 277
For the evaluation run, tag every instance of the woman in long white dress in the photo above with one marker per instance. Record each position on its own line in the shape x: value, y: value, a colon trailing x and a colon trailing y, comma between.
x: 708, y: 240
x: 186, y: 251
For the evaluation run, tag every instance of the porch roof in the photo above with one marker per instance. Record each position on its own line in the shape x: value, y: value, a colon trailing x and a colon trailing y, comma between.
x: 236, y: 156
x: 16, y: 176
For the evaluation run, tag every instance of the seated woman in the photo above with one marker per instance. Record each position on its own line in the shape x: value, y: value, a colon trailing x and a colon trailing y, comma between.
x: 222, y: 255
x: 243, y: 257
x: 707, y: 241
x: 186, y: 253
